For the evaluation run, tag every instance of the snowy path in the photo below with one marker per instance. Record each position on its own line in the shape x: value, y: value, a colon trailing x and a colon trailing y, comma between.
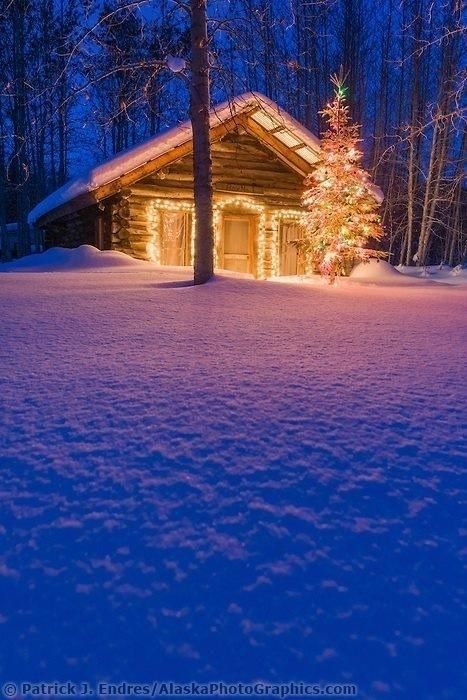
x: 244, y: 480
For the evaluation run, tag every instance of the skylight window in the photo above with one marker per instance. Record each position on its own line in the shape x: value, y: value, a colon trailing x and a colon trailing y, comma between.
x: 287, y: 138
x: 265, y: 120
x: 307, y: 154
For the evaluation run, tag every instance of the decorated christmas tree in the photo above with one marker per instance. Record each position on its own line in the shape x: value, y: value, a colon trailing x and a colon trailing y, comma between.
x: 340, y: 201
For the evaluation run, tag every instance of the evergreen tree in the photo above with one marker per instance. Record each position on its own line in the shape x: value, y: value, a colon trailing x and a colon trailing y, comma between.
x: 339, y: 198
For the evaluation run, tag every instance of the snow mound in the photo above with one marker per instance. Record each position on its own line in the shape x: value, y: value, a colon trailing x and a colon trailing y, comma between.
x: 458, y: 271
x: 375, y: 270
x: 86, y: 257
x: 381, y: 272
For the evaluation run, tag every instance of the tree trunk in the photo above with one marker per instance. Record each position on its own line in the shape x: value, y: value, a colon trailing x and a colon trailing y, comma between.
x: 411, y: 193
x: 19, y: 164
x: 202, y: 164
x: 442, y: 129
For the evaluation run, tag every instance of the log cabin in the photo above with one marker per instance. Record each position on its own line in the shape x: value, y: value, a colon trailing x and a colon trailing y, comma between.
x: 141, y: 201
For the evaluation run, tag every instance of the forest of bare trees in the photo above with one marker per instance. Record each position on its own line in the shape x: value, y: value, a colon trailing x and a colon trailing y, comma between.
x: 81, y: 80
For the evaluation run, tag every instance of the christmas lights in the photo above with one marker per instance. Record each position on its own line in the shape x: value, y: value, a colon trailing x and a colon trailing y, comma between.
x: 341, y: 208
x: 268, y: 222
x: 280, y: 216
x: 153, y: 248
x: 155, y: 210
x: 250, y: 205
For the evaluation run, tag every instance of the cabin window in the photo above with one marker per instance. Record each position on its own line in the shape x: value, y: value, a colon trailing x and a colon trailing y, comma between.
x: 291, y: 261
x: 175, y: 238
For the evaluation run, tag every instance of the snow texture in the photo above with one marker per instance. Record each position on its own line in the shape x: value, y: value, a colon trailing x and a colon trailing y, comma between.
x: 85, y: 257
x: 436, y: 273
x: 381, y: 272
x: 134, y: 157
x: 373, y: 269
x: 236, y: 481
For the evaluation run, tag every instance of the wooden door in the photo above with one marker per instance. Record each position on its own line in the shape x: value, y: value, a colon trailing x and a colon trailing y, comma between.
x: 237, y: 249
x: 290, y: 261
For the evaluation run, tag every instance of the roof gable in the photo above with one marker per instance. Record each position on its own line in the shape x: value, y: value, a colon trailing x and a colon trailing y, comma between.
x: 286, y: 137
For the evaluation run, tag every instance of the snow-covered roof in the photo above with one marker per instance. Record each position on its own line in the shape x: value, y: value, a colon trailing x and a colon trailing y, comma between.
x: 268, y: 115
x: 286, y: 130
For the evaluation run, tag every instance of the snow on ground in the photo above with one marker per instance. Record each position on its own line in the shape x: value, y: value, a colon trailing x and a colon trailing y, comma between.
x: 436, y: 273
x: 382, y: 272
x: 85, y: 257
x: 237, y: 481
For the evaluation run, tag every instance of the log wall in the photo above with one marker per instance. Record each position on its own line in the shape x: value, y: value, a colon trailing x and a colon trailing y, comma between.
x: 240, y: 164
x: 80, y: 228
x: 131, y: 225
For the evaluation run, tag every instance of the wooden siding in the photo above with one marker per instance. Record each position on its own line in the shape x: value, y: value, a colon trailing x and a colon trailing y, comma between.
x: 131, y: 227
x: 79, y: 228
x: 240, y: 165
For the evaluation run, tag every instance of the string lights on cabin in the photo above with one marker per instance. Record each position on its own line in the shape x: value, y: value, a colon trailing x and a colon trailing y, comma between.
x: 249, y: 205
x: 268, y: 222
x: 155, y: 211
x: 153, y: 248
x: 280, y: 216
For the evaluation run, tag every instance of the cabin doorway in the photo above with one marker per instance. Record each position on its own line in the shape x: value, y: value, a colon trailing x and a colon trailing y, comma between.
x: 237, y: 251
x: 175, y: 238
x: 291, y: 262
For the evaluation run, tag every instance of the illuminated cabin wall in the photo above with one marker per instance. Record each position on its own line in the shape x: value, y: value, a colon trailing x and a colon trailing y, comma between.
x: 240, y: 164
x: 247, y: 179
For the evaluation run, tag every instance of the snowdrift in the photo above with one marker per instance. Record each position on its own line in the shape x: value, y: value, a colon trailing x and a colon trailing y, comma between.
x: 381, y: 272
x: 86, y: 257
x: 458, y: 273
x: 437, y: 273
x: 375, y: 270
x: 213, y: 468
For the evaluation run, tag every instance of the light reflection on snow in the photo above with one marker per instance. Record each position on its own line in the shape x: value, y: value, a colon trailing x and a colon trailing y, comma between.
x: 239, y: 481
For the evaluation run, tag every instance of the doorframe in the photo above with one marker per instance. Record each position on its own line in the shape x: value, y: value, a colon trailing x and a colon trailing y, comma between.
x: 252, y: 237
x: 185, y: 249
x: 300, y: 265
